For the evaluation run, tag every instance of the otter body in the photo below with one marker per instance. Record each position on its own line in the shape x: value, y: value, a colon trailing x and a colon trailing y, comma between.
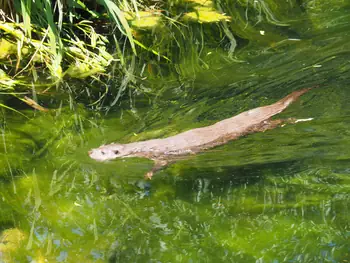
x: 190, y: 142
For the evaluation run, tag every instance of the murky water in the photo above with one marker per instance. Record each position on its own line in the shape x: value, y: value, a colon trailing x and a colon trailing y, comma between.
x: 278, y: 196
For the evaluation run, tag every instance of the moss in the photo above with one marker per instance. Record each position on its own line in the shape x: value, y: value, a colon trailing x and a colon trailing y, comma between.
x: 10, y: 241
x: 7, y: 48
x: 206, y: 15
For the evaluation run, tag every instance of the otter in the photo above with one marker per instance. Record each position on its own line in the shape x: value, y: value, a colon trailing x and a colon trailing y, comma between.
x: 167, y: 150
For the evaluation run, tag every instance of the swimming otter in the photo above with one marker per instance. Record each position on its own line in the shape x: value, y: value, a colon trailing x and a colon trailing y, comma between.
x: 163, y: 151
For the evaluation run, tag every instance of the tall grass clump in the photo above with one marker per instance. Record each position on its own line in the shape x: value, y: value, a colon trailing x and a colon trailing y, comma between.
x: 46, y: 43
x: 54, y: 43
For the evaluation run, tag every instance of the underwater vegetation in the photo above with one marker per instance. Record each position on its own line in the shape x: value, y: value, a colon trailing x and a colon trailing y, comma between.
x: 78, y: 74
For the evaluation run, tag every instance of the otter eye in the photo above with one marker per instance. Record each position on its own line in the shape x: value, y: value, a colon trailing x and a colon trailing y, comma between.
x: 116, y: 152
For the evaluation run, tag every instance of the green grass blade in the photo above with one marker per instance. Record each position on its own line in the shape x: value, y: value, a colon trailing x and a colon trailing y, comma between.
x: 55, y: 41
x: 151, y: 50
x: 26, y: 6
x: 118, y: 16
x: 9, y: 108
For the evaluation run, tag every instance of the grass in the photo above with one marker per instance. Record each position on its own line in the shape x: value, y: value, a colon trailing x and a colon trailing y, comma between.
x: 48, y: 43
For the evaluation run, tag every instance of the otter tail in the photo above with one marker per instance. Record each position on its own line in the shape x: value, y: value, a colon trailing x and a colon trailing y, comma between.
x: 286, y: 101
x: 257, y: 115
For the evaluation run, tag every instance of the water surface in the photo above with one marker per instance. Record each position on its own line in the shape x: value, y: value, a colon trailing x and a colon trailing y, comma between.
x: 278, y: 196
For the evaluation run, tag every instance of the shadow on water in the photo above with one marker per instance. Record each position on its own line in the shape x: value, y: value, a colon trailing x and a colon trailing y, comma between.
x: 219, y: 180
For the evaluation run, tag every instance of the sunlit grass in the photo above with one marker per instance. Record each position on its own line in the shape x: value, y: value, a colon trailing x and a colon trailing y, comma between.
x: 54, y: 41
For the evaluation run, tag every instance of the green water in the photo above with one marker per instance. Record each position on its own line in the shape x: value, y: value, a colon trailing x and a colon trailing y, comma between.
x: 278, y: 196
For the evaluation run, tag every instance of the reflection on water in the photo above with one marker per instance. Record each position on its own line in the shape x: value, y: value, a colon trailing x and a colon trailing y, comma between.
x: 278, y: 196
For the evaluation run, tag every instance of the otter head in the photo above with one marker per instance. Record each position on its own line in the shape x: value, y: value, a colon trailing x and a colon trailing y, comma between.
x: 109, y: 152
